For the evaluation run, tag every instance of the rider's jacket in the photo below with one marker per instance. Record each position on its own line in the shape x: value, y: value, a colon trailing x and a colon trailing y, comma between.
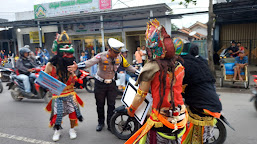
x: 23, y: 64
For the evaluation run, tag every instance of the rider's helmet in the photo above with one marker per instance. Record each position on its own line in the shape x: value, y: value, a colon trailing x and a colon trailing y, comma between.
x: 24, y: 50
x: 158, y: 41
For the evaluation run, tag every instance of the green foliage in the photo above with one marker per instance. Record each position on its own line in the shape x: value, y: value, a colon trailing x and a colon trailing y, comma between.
x: 186, y: 2
x: 174, y: 27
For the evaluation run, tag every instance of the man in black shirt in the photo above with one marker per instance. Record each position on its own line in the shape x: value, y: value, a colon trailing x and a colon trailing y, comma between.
x: 233, y: 50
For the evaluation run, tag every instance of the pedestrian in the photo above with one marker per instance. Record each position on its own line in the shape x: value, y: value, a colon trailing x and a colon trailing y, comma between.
x: 94, y: 67
x: 240, y: 62
x: 144, y: 56
x: 240, y: 47
x: 37, y: 51
x: 138, y: 55
x: 105, y: 86
x: 2, y: 54
x: 201, y: 98
x: 67, y: 103
x: 121, y: 72
x: 83, y: 56
x: 233, y: 50
x: 163, y: 75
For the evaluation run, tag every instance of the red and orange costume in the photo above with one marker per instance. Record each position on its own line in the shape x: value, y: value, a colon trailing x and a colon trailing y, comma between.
x: 163, y: 75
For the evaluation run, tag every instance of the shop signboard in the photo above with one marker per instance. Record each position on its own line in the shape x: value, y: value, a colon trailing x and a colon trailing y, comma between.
x: 34, y: 37
x: 69, y: 7
x: 95, y: 27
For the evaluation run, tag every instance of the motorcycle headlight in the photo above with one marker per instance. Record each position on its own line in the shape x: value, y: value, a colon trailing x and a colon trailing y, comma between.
x: 0, y: 74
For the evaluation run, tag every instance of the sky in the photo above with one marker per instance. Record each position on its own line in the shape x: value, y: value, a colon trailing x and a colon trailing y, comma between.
x: 9, y: 7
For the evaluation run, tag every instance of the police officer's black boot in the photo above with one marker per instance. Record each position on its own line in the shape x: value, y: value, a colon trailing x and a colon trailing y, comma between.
x: 99, y: 127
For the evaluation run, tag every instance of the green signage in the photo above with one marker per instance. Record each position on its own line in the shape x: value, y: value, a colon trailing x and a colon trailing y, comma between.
x: 69, y: 7
x: 55, y: 5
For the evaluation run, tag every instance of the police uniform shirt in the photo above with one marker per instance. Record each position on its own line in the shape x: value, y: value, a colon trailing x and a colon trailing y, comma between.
x: 108, y: 66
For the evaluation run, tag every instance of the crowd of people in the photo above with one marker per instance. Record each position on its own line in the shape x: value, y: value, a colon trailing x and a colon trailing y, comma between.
x: 237, y: 51
x: 163, y: 72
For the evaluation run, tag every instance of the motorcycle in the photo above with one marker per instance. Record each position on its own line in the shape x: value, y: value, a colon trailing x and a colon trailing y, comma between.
x: 85, y: 80
x: 254, y: 89
x: 5, y: 73
x: 16, y: 87
x: 123, y: 126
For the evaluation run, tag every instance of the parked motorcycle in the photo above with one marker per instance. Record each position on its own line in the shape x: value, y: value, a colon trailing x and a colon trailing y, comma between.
x: 18, y: 92
x: 85, y: 80
x: 254, y: 89
x: 5, y: 73
x: 122, y: 125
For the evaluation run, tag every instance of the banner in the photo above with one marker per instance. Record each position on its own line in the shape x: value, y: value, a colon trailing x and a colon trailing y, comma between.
x: 34, y: 37
x: 70, y: 7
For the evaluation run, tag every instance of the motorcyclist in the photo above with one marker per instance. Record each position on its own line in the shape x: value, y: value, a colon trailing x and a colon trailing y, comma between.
x: 25, y: 67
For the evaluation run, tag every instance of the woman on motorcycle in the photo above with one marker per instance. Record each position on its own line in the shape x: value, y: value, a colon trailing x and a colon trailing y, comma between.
x: 200, y: 97
x: 164, y: 75
x: 68, y: 102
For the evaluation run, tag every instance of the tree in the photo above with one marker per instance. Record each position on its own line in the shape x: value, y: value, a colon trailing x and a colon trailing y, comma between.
x: 209, y: 29
x: 186, y: 2
x: 174, y: 27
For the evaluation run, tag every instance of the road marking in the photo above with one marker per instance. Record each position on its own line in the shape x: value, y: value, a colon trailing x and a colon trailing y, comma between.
x: 25, y: 139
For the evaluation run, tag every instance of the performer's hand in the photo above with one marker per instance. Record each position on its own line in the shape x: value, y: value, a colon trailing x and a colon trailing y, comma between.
x: 73, y: 67
x: 130, y: 113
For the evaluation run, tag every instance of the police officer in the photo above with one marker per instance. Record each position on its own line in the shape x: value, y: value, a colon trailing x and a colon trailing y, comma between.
x: 105, y: 86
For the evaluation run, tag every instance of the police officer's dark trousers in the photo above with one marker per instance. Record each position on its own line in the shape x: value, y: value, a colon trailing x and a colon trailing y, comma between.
x: 102, y: 91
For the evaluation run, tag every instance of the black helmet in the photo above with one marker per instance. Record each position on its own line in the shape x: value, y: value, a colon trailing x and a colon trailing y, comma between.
x: 24, y: 50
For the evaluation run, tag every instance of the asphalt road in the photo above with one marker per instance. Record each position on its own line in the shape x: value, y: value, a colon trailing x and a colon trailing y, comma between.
x: 27, y: 121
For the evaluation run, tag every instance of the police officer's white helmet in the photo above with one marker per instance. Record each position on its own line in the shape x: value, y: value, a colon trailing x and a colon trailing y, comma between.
x: 115, y: 45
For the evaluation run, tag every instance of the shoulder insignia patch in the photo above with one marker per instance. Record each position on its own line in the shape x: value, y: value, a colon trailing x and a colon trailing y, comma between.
x: 98, y: 56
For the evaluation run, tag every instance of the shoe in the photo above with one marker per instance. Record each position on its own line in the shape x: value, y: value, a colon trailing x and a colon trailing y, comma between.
x: 99, y: 127
x: 56, y: 136
x: 73, y: 134
x: 109, y: 129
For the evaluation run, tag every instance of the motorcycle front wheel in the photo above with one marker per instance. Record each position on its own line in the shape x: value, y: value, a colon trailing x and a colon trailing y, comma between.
x: 90, y: 85
x: 123, y: 126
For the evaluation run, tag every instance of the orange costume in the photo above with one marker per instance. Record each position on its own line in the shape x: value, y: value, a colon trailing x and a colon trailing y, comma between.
x: 163, y: 75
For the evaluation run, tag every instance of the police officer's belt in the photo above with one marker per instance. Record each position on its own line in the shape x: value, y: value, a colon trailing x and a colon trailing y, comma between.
x: 107, y: 81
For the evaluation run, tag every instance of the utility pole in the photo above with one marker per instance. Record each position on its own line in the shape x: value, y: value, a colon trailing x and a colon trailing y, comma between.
x: 210, y: 38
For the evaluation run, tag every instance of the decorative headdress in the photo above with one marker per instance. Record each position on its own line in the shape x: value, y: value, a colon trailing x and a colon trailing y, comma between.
x: 179, y: 45
x: 159, y: 42
x: 62, y: 44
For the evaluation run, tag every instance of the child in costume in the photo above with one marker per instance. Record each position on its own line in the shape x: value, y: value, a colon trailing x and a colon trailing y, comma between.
x: 67, y: 103
x: 163, y: 75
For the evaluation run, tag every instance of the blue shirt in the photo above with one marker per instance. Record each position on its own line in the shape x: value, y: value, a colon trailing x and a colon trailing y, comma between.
x: 241, y: 61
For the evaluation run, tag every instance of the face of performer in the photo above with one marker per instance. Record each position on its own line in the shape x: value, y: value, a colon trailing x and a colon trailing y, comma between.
x: 112, y: 53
